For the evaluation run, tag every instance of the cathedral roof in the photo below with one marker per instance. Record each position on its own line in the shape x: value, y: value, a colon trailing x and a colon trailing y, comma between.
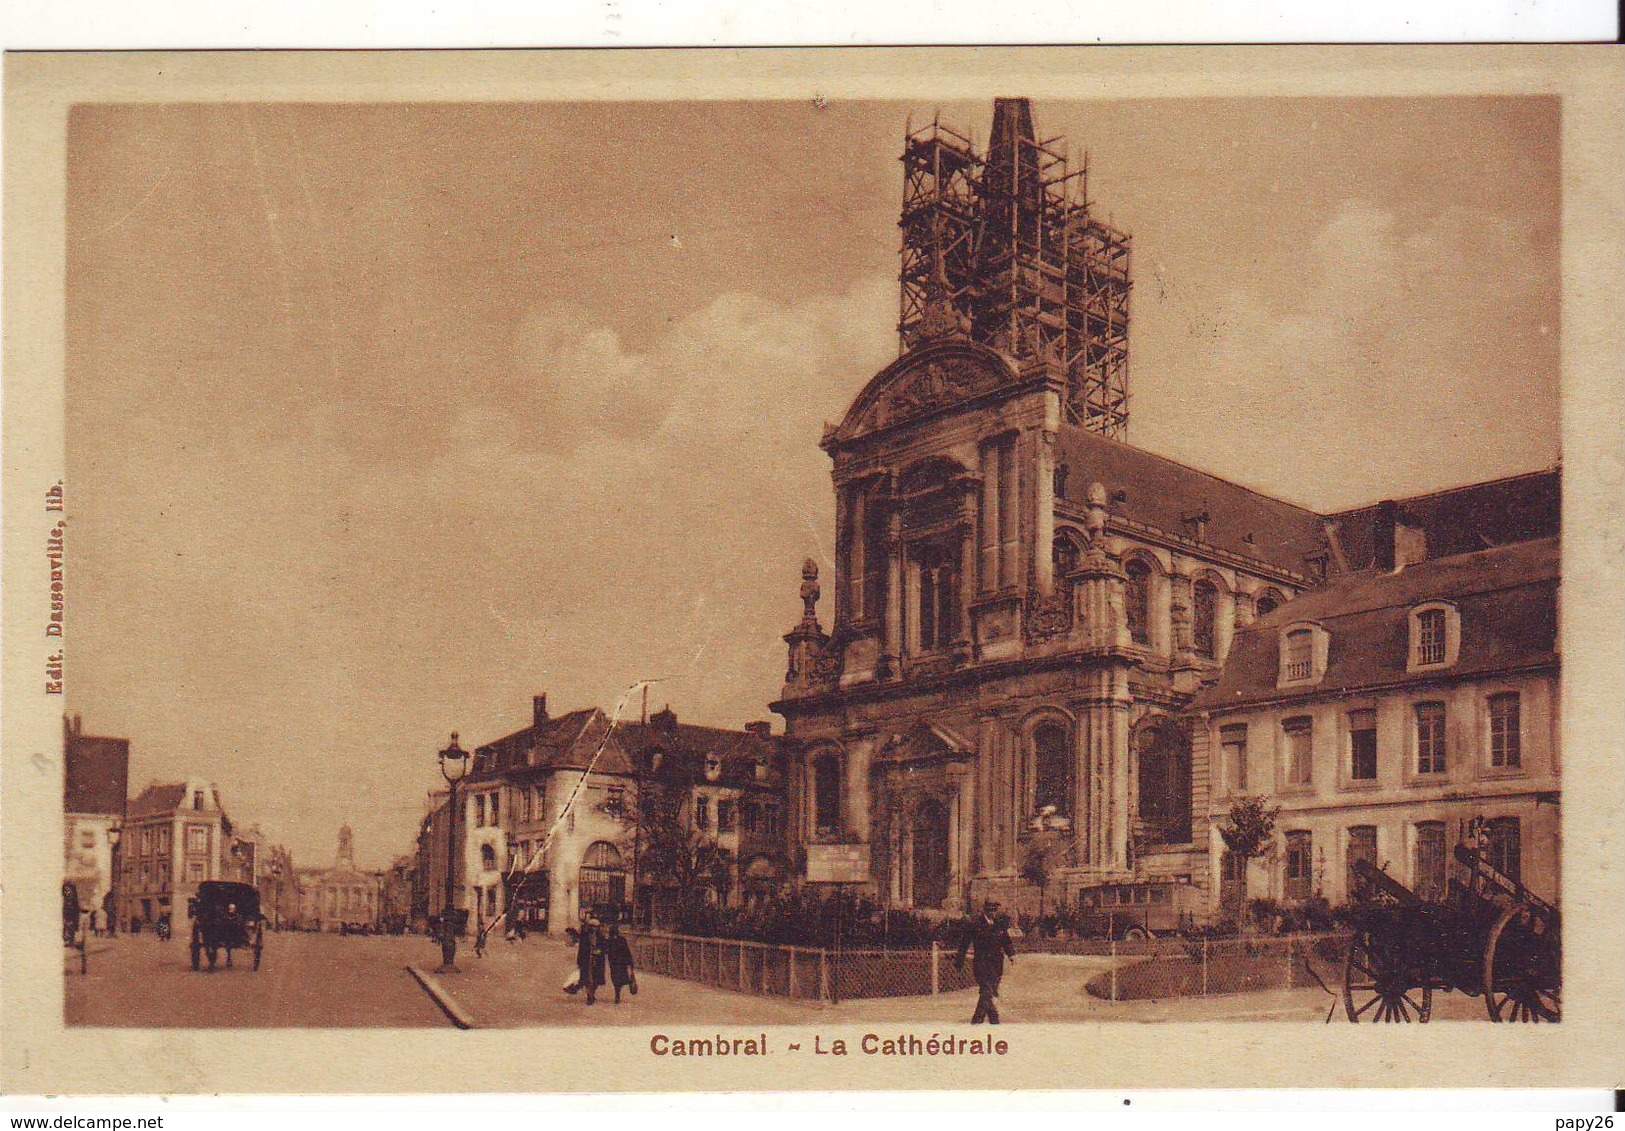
x: 1460, y: 520
x: 1160, y: 493
x: 1506, y: 599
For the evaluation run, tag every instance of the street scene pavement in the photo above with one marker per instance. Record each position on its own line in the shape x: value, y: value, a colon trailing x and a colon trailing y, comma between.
x: 304, y: 980
x: 362, y: 982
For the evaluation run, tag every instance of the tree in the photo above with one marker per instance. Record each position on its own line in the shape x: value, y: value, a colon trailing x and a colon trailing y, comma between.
x: 674, y: 851
x: 1248, y: 831
x: 1038, y: 860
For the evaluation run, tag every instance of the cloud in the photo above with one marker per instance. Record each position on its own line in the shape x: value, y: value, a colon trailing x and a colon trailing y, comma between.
x: 1408, y: 346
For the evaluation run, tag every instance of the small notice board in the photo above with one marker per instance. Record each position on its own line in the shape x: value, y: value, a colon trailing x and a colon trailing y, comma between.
x: 837, y: 863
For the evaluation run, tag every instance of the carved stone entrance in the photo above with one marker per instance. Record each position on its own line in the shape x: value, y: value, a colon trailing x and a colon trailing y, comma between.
x: 931, y: 864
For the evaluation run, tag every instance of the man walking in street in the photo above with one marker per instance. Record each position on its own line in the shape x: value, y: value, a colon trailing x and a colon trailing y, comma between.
x: 988, y: 935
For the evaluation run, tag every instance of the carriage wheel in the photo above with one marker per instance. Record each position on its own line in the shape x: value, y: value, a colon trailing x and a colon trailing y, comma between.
x: 1522, y: 977
x: 1377, y: 986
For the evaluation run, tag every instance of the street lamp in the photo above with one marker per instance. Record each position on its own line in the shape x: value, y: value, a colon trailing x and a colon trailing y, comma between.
x: 453, y: 767
x: 114, y: 833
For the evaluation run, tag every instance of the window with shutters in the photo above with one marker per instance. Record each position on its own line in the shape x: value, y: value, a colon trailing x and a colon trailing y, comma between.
x: 1430, y: 738
x: 1362, y: 746
x: 1506, y: 750
x: 1431, y: 860
x: 1503, y: 847
x: 1362, y: 847
x: 1233, y: 746
x: 1300, y: 865
x: 1298, y: 735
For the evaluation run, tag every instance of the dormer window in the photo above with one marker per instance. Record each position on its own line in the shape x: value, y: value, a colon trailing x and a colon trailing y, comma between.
x: 1435, y: 636
x: 1304, y: 648
x: 713, y: 767
x: 1300, y: 655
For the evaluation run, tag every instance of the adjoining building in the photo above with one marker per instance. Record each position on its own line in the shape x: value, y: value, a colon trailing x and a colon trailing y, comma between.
x: 96, y: 784
x: 558, y: 819
x: 1387, y: 710
x: 176, y: 836
x: 341, y: 897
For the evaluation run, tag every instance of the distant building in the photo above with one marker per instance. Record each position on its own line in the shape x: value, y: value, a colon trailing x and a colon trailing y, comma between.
x: 332, y: 898
x: 96, y: 783
x: 1413, y: 694
x: 176, y: 836
x: 269, y: 868
x: 396, y: 895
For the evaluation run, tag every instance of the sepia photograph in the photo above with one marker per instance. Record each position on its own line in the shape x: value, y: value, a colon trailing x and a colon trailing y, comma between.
x: 757, y: 574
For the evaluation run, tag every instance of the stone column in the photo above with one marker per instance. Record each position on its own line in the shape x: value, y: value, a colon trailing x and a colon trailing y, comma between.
x: 1009, y: 513
x: 1246, y: 609
x: 964, y: 638
x: 990, y: 518
x: 858, y: 757
x: 857, y: 515
x: 894, y: 595
x: 1181, y: 605
x: 1044, y: 513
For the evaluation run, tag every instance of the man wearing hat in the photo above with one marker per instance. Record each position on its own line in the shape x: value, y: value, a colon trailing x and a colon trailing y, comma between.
x: 988, y: 934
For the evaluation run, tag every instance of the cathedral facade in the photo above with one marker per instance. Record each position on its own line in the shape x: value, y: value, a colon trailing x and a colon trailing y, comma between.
x: 1023, y: 602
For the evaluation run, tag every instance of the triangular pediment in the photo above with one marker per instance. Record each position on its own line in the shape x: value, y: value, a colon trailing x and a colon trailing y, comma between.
x: 924, y: 381
x: 926, y: 742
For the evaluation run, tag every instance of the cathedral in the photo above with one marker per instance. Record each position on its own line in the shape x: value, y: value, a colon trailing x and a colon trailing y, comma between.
x: 1024, y: 603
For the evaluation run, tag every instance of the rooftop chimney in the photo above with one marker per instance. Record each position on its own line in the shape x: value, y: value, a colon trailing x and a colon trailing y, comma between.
x: 759, y: 729
x: 538, y: 711
x: 664, y: 719
x: 1397, y: 541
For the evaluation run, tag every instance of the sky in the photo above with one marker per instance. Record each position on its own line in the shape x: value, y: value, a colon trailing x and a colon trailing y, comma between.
x: 384, y: 418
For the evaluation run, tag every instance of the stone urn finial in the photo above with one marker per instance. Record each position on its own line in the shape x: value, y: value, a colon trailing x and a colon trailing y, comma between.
x: 809, y: 590
x: 1095, y: 520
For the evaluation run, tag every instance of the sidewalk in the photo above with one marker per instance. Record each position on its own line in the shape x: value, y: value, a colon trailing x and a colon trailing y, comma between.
x: 521, y: 984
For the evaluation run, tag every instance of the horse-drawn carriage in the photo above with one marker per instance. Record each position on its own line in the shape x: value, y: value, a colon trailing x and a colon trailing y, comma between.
x: 1490, y: 936
x: 226, y: 915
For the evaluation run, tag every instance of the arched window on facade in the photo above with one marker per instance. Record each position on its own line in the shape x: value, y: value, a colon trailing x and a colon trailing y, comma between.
x: 602, y: 881
x: 826, y: 784
x: 930, y: 496
x: 1052, y: 769
x: 488, y: 857
x: 1137, y: 600
x: 1268, y: 601
x: 938, y: 605
x: 1065, y: 555
x: 1204, y: 618
x: 1164, y: 784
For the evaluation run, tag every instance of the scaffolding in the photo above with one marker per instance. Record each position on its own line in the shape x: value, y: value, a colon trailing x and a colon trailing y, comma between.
x: 1003, y: 249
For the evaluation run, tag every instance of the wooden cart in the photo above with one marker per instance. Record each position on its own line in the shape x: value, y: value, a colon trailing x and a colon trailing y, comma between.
x: 1490, y: 936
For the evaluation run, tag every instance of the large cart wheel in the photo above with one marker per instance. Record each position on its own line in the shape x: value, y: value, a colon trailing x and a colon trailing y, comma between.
x: 1522, y: 970
x: 1379, y: 986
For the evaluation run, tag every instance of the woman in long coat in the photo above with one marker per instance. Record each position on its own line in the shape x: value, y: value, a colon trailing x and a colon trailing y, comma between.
x: 590, y: 959
x: 619, y: 953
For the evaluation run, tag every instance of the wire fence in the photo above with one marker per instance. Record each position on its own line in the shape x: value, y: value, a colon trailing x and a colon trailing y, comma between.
x: 1122, y: 970
x: 1160, y: 968
x: 805, y: 973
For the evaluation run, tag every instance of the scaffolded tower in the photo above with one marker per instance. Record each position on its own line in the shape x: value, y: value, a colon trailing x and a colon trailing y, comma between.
x: 1003, y: 249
